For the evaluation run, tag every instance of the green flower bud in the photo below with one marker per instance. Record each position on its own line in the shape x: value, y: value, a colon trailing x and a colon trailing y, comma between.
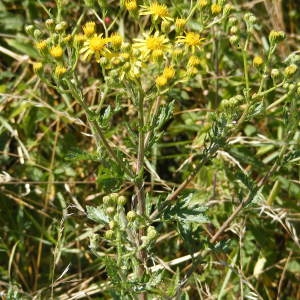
x: 37, y: 34
x: 292, y: 87
x: 232, y: 21
x: 50, y: 24
x: 121, y: 200
x: 234, y: 29
x: 276, y: 36
x: 227, y: 9
x: 275, y: 73
x: 103, y: 61
x: 29, y: 29
x: 106, y: 200
x: 165, y: 26
x: 298, y: 91
x: 109, y: 234
x: 131, y: 216
x: 110, y: 210
x: 61, y: 26
x: 151, y: 233
x: 290, y: 70
x: 234, y: 40
x: 112, y: 224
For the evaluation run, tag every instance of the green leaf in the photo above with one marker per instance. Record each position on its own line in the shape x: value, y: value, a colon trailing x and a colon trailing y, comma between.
x: 97, y: 214
x: 186, y: 211
x: 23, y: 48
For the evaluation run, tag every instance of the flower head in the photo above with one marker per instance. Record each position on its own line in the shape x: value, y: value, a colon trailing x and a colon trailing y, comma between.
x: 41, y: 45
x: 60, y: 70
x: 161, y: 81
x: 191, y: 39
x: 215, y: 8
x: 154, y: 45
x: 179, y: 24
x: 89, y: 28
x: 37, y: 66
x: 94, y: 46
x: 193, y: 61
x: 168, y: 72
x: 56, y: 52
x: 203, y: 3
x: 116, y: 40
x: 156, y: 10
x: 131, y: 5
x: 257, y: 61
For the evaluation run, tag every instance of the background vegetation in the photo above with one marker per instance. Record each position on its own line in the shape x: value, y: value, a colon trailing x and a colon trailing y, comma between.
x: 45, y: 238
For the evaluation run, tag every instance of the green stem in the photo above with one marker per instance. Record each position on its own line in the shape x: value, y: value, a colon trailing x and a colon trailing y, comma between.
x: 97, y: 129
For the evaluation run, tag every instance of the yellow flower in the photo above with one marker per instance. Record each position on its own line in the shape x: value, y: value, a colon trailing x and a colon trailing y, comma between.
x: 180, y: 23
x: 203, y: 3
x: 152, y: 44
x: 37, y: 66
x: 191, y: 39
x: 79, y: 38
x: 161, y: 80
x: 60, y: 70
x: 56, y: 51
x: 89, y: 28
x: 41, y: 45
x: 116, y: 40
x: 290, y: 70
x: 156, y: 10
x: 67, y: 38
x: 94, y: 46
x: 193, y: 61
x: 168, y: 72
x: 215, y: 8
x: 130, y: 5
x: 257, y: 61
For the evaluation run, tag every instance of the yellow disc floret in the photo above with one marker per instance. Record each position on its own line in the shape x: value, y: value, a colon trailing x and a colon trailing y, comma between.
x: 168, y: 72
x: 116, y: 40
x: 257, y: 61
x: 60, y: 70
x: 215, y: 8
x: 41, y: 45
x: 161, y: 80
x: 97, y: 43
x: 89, y: 28
x: 56, y: 51
x: 130, y: 5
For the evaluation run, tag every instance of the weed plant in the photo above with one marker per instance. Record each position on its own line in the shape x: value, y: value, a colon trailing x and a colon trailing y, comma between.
x: 154, y: 154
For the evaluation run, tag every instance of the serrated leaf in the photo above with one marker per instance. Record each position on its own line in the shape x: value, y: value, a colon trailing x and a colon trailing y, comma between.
x: 97, y: 214
x: 77, y: 154
x: 185, y: 211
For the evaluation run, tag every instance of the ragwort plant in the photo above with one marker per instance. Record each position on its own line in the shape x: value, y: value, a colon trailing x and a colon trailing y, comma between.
x: 169, y: 49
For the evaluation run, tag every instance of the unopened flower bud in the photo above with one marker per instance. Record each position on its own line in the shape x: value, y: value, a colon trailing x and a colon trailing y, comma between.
x: 232, y: 21
x: 151, y: 233
x: 165, y: 26
x: 276, y: 37
x: 290, y: 70
x: 121, y: 200
x: 50, y: 24
x: 29, y: 29
x: 110, y: 210
x: 112, y: 224
x: 233, y: 30
x: 131, y: 216
x: 227, y: 9
x: 37, y: 33
x: 109, y: 234
x: 275, y: 73
x: 292, y: 87
x: 234, y: 40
